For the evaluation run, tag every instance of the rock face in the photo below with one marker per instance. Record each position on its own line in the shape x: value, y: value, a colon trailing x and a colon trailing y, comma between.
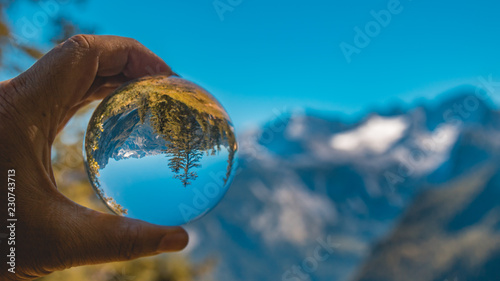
x: 406, y: 194
x: 128, y: 138
x: 451, y: 233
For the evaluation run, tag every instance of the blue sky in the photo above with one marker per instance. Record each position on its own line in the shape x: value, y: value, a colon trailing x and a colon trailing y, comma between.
x: 260, y: 57
x: 152, y: 194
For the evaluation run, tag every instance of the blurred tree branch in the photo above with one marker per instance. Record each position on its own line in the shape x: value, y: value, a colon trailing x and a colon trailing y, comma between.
x: 60, y: 24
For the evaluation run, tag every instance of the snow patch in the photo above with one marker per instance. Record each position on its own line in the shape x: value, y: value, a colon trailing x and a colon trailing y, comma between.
x: 431, y: 151
x: 291, y: 213
x: 377, y: 135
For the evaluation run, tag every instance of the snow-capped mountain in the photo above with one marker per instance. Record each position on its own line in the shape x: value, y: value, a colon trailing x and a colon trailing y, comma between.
x: 314, y: 195
x: 128, y: 138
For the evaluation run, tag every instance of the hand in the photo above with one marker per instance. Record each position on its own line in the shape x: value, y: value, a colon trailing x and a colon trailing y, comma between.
x: 52, y: 232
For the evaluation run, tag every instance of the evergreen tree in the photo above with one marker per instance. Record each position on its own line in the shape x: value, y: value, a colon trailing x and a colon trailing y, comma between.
x: 178, y: 126
x: 189, y: 132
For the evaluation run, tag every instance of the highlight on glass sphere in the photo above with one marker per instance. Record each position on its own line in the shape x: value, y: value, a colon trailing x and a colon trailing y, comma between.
x: 160, y: 149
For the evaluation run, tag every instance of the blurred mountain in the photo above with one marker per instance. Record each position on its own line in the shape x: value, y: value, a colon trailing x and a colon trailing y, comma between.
x: 449, y: 233
x: 314, y: 197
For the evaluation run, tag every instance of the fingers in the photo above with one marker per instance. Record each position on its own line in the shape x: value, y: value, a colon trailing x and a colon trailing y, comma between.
x: 101, y: 88
x: 85, y: 67
x: 105, y: 238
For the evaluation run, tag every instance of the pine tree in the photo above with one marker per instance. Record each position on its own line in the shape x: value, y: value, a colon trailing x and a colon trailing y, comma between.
x: 178, y: 126
x: 189, y: 133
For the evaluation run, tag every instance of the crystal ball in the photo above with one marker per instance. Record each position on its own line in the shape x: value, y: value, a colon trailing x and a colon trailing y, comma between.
x: 160, y: 149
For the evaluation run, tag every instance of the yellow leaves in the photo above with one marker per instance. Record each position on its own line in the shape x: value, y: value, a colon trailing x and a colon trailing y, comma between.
x: 94, y: 166
x: 117, y: 208
x: 4, y: 29
x: 164, y: 267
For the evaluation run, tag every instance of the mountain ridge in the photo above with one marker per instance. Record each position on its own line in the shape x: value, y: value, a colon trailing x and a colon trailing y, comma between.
x: 304, y: 177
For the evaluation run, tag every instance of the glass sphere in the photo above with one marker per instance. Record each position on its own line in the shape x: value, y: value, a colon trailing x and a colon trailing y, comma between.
x: 160, y: 149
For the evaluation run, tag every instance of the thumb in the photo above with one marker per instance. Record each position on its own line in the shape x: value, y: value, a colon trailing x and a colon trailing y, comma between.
x: 100, y: 238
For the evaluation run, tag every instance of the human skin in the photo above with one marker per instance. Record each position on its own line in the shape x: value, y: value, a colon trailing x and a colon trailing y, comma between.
x: 52, y: 232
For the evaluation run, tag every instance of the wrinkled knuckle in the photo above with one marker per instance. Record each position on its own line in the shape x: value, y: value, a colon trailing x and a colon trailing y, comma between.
x: 131, y: 248
x: 12, y: 99
x: 79, y: 42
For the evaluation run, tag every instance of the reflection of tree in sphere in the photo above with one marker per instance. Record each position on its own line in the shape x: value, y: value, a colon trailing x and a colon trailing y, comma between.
x: 153, y: 117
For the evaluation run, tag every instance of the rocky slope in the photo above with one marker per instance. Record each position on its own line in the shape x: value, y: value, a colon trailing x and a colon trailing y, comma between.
x: 318, y: 198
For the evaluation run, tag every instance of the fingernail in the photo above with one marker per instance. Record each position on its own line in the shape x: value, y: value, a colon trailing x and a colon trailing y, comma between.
x: 174, y: 241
